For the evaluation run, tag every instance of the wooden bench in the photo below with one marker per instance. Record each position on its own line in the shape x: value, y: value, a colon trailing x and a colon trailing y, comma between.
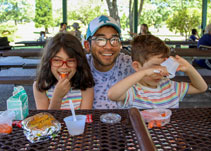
x: 191, y: 52
x: 18, y: 65
x: 32, y: 52
x: 186, y: 79
x: 17, y: 80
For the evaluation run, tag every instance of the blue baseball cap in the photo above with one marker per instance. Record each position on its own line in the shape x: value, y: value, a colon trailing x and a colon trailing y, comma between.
x: 100, y: 21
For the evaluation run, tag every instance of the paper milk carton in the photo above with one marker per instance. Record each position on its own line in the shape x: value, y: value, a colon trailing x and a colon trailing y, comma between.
x: 18, y: 103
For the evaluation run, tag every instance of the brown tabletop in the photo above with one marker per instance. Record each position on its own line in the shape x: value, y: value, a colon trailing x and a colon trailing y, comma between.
x: 191, y: 52
x: 189, y: 129
x: 97, y: 135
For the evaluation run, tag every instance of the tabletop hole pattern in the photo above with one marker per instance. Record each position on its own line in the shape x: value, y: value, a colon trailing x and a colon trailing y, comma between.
x: 98, y: 136
x: 191, y: 133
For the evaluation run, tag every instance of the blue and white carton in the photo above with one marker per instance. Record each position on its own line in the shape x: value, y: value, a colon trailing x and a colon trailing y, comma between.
x: 18, y: 103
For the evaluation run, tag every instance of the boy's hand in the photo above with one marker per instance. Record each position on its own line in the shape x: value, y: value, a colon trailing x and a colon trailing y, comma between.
x: 184, y: 65
x: 62, y: 87
x: 156, y: 70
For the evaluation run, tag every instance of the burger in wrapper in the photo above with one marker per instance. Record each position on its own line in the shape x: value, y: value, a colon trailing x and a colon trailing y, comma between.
x: 40, y: 127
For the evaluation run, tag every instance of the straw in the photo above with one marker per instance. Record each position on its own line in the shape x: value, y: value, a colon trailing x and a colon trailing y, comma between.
x: 72, y: 110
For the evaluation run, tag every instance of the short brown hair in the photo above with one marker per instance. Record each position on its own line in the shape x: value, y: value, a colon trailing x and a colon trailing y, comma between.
x: 146, y: 46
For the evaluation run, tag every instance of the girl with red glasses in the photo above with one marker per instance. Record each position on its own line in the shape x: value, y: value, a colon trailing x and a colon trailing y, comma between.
x: 63, y: 75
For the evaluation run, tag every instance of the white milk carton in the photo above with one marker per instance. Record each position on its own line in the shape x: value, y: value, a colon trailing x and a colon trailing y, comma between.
x: 18, y: 103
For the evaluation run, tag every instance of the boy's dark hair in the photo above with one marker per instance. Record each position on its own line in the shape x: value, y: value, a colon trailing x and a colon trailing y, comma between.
x: 194, y: 31
x: 81, y: 80
x: 146, y: 46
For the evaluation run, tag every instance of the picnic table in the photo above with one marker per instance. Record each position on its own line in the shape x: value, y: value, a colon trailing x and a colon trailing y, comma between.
x: 97, y: 135
x: 192, y: 52
x: 28, y: 52
x: 32, y: 43
x: 177, y: 44
x: 189, y: 129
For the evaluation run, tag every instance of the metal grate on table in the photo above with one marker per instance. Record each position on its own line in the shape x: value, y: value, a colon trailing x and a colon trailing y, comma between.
x: 189, y: 129
x: 97, y: 135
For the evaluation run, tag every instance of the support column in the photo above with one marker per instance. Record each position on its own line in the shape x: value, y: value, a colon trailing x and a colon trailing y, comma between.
x: 64, y: 10
x: 135, y: 16
x: 204, y: 15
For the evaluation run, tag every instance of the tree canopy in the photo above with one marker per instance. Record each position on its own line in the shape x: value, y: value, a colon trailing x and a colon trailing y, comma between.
x: 43, y: 14
x: 183, y: 21
x: 15, y: 10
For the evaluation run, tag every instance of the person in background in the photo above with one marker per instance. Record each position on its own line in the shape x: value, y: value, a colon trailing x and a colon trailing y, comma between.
x: 148, y: 87
x: 63, y: 75
x: 144, y: 30
x: 42, y: 36
x: 63, y: 27
x: 76, y: 32
x: 194, y: 36
x: 204, y: 41
x: 108, y: 65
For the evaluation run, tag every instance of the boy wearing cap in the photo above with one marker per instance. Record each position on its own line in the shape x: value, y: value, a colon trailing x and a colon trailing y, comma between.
x: 107, y: 64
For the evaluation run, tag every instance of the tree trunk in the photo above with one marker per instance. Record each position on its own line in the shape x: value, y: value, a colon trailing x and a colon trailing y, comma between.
x: 140, y: 8
x: 131, y: 17
x: 113, y: 10
x: 131, y: 9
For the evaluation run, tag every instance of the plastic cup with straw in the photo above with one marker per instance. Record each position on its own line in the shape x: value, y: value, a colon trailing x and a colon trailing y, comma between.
x: 75, y: 123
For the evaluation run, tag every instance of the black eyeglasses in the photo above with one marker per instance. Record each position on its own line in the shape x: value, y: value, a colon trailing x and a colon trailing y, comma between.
x: 102, y: 41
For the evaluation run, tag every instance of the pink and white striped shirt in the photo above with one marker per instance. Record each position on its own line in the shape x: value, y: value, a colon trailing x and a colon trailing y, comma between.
x: 168, y: 94
x: 74, y: 95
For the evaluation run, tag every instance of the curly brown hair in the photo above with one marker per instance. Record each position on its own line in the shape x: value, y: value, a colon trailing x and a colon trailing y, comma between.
x: 146, y: 46
x: 81, y: 80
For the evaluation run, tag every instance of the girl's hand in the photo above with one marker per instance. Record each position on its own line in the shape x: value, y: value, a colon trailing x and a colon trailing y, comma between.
x: 62, y: 87
x: 184, y: 65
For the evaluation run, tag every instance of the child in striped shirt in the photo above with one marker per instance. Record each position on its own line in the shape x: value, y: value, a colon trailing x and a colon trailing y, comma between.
x: 63, y: 75
x: 149, y: 86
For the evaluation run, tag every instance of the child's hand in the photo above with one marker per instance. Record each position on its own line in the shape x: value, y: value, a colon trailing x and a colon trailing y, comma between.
x: 62, y: 87
x: 157, y: 70
x: 184, y: 65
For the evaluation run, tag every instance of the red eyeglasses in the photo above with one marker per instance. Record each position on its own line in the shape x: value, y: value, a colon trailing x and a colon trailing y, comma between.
x: 58, y: 63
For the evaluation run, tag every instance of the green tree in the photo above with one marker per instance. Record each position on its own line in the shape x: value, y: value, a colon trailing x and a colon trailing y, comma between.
x: 183, y: 21
x: 8, y: 29
x: 43, y: 14
x: 86, y: 14
x: 155, y: 14
x: 15, y: 10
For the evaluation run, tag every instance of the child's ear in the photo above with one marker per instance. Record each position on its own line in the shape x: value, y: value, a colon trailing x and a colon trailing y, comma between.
x: 136, y: 65
x: 87, y: 46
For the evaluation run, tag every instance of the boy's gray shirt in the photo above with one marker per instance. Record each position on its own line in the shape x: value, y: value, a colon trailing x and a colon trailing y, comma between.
x: 104, y: 80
